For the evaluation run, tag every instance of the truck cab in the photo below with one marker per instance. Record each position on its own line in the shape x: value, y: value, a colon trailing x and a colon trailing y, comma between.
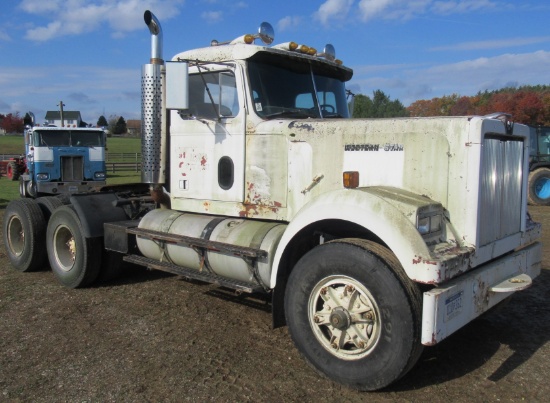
x: 63, y: 160
x: 372, y: 237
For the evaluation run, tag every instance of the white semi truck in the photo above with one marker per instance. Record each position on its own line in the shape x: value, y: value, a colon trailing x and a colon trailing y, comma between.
x: 373, y: 238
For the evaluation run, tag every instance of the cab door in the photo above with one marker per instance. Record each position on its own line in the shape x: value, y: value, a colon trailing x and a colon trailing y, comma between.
x: 208, y: 140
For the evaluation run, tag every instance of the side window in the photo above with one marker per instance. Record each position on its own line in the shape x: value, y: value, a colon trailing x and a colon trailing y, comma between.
x: 223, y: 89
x: 305, y: 101
x: 327, y: 98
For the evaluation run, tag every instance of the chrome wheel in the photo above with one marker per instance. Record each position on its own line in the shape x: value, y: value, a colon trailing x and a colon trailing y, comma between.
x: 64, y: 248
x: 16, y: 236
x: 344, y: 317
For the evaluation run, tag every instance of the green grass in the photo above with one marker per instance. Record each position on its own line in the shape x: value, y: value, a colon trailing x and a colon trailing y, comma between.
x: 9, y: 190
x: 123, y: 145
x: 12, y: 145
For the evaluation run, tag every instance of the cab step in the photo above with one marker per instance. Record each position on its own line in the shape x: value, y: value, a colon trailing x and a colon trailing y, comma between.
x: 194, y: 274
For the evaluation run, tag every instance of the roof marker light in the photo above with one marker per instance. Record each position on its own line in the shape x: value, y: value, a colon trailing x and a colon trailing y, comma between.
x: 265, y: 33
x: 292, y: 46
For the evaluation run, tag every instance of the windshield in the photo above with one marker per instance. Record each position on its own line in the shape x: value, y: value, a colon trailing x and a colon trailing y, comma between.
x: 290, y: 88
x: 68, y: 138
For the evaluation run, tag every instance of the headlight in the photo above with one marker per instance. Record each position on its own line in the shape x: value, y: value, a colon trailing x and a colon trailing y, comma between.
x: 429, y: 222
x: 42, y: 177
x: 99, y: 175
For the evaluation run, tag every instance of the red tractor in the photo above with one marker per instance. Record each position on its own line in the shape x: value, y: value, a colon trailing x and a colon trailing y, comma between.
x: 13, y: 167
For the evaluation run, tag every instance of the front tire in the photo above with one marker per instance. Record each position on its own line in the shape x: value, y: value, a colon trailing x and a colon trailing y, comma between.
x: 354, y: 314
x: 24, y: 235
x: 74, y: 259
x: 22, y: 188
x: 539, y: 187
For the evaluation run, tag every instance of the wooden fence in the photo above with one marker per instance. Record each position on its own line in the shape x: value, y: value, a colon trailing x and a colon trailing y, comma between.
x: 115, y: 162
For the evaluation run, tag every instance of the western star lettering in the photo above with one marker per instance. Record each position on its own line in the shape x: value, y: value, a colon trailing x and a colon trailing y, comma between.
x: 373, y: 147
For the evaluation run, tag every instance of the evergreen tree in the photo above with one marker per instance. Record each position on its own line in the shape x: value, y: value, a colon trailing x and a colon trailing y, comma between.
x: 120, y: 126
x: 102, y: 122
x: 380, y: 106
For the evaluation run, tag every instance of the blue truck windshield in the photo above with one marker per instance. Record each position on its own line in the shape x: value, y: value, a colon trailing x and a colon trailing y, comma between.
x: 68, y: 138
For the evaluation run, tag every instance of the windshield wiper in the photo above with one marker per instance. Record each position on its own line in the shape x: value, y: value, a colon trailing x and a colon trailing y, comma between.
x: 293, y: 113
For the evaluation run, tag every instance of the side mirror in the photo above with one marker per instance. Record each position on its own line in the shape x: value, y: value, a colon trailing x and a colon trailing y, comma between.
x: 177, y: 85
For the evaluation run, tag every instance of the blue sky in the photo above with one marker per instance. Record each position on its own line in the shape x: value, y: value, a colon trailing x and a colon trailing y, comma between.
x: 89, y: 53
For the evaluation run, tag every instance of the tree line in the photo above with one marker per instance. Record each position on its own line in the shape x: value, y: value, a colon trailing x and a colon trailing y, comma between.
x: 14, y: 123
x: 527, y: 104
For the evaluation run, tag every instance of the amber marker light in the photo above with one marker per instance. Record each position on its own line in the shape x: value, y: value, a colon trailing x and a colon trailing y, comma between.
x: 248, y: 39
x: 292, y: 46
x: 303, y: 48
x: 351, y: 179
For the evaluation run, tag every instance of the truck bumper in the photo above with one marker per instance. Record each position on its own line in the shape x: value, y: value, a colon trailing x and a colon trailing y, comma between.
x: 454, y: 304
x: 68, y: 187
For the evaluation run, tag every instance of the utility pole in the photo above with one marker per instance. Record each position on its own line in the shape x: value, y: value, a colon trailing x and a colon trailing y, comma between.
x: 61, y: 105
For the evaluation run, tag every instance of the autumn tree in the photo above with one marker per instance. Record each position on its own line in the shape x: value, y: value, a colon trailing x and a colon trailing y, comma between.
x: 527, y: 104
x: 12, y: 123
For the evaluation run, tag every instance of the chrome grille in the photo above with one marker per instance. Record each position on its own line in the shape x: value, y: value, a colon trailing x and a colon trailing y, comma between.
x: 501, y: 188
x: 72, y: 169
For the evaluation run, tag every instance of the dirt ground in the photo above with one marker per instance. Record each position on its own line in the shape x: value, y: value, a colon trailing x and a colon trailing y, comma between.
x: 156, y: 337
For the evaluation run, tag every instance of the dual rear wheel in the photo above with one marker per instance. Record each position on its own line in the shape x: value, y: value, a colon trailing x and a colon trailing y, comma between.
x: 42, y: 230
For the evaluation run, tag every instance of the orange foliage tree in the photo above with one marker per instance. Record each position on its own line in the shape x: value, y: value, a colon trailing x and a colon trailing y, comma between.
x: 529, y: 104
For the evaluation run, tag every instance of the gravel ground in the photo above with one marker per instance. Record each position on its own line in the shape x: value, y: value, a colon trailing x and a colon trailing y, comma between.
x: 151, y: 336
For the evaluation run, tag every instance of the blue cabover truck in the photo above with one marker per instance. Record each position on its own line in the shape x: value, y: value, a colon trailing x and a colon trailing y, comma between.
x: 62, y: 160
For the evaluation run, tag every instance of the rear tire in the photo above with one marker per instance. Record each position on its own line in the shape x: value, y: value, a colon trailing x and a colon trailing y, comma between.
x: 12, y: 171
x: 539, y: 187
x: 48, y: 204
x: 74, y: 259
x: 24, y: 235
x: 354, y: 314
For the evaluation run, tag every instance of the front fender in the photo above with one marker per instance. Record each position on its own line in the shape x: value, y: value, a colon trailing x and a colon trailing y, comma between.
x: 386, y: 218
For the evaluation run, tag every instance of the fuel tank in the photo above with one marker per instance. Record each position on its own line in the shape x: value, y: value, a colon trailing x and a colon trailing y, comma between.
x: 234, y: 231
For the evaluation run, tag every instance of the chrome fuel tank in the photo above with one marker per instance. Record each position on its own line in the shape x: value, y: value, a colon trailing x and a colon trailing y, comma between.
x: 234, y: 231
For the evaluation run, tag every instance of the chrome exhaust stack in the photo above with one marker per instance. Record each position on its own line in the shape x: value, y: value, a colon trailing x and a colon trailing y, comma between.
x: 153, y: 130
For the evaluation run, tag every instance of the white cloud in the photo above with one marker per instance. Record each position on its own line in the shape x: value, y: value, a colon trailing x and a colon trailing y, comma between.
x: 74, y: 17
x: 407, y: 9
x: 369, y: 9
x: 288, y: 23
x: 40, y: 6
x: 463, y: 6
x: 212, y: 17
x: 467, y: 77
x: 4, y: 36
x: 88, y: 89
x: 333, y: 9
x: 495, y: 44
